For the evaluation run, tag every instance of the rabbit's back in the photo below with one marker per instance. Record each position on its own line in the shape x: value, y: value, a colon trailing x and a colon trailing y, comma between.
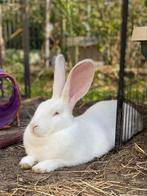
x: 101, y: 118
x: 103, y: 114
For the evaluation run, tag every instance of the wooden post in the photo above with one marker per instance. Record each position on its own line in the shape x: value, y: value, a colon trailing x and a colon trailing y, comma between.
x: 2, y: 49
x: 25, y: 40
x: 48, y: 29
x: 1, y: 56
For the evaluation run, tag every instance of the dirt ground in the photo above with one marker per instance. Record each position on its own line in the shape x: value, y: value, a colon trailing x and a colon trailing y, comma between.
x: 117, y: 173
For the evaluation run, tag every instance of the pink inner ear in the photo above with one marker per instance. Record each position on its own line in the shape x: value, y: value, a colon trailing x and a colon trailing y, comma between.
x: 80, y: 82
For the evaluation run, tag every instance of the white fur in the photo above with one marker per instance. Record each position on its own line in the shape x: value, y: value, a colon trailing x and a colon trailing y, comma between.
x: 56, y: 141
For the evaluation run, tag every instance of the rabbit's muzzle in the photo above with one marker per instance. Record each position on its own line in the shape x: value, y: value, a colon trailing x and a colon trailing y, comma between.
x: 34, y: 128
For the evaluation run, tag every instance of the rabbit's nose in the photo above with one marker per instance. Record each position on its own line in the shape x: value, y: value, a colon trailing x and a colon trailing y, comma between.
x: 34, y: 126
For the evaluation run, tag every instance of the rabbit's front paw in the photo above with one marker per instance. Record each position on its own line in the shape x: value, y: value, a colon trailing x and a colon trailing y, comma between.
x: 27, y: 162
x: 47, y: 166
x: 42, y: 167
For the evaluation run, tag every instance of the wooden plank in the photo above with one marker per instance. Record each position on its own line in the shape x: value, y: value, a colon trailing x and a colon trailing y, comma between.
x: 81, y: 41
x: 139, y: 34
x: 9, y: 137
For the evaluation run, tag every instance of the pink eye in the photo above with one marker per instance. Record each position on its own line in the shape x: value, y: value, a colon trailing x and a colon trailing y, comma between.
x: 56, y: 113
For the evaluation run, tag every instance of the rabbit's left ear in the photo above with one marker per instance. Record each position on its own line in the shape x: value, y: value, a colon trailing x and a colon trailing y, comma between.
x: 59, y: 76
x: 78, y: 82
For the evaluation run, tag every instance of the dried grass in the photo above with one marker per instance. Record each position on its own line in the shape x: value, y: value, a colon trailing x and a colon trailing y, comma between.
x: 127, y: 177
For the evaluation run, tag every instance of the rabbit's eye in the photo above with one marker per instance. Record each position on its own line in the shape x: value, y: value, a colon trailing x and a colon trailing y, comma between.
x: 56, y: 113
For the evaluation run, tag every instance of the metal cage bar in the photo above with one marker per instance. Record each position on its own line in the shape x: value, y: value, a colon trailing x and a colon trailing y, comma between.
x: 120, y: 100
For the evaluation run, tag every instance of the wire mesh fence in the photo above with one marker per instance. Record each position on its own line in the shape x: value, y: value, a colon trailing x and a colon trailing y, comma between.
x: 131, y: 112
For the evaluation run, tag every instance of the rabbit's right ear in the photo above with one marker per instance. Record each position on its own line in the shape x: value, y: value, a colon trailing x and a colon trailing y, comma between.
x: 59, y: 76
x: 78, y: 82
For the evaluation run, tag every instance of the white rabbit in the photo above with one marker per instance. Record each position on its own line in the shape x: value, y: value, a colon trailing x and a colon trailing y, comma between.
x: 54, y: 138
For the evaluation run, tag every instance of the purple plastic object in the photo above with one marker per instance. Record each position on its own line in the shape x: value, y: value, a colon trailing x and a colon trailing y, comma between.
x: 8, y: 111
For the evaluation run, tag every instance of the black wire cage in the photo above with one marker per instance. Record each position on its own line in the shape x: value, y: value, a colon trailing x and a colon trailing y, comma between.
x: 129, y: 89
x: 130, y: 95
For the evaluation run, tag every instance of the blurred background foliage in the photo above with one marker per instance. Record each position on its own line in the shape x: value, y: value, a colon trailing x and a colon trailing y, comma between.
x: 98, y: 20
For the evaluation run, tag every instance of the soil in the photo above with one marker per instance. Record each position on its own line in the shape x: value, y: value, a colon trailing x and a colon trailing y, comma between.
x: 117, y: 173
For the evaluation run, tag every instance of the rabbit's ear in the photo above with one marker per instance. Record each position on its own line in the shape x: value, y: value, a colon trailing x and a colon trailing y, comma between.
x: 59, y: 75
x: 78, y: 82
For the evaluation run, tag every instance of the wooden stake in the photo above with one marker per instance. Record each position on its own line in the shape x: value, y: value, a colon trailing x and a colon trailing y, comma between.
x: 25, y: 39
x: 48, y: 29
